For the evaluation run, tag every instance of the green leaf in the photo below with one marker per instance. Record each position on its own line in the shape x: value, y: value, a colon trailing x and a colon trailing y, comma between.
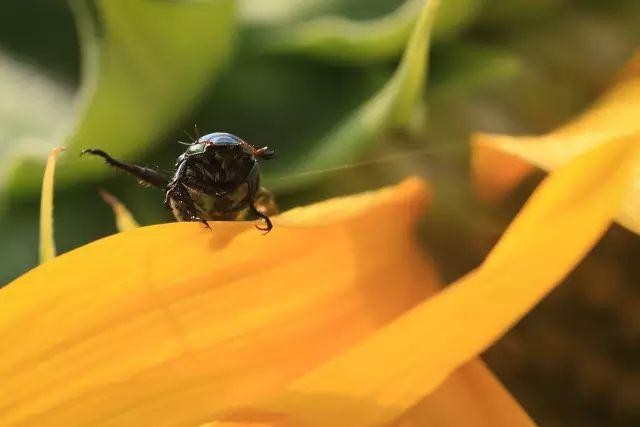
x: 277, y: 12
x: 340, y: 38
x: 344, y: 39
x: 145, y: 64
x: 392, y: 107
x: 33, y: 109
x: 454, y: 16
x: 462, y: 67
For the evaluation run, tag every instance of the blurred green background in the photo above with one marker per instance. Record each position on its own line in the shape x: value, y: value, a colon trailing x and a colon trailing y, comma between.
x: 305, y: 78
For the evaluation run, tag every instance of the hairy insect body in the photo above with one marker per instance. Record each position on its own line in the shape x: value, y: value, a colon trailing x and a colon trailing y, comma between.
x: 216, y: 178
x: 230, y: 206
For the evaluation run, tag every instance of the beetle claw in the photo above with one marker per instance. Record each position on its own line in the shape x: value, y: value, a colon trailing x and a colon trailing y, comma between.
x: 202, y: 221
x: 267, y: 222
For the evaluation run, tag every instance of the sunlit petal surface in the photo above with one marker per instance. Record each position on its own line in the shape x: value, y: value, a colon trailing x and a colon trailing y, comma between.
x: 173, y: 324
x: 500, y: 162
x: 380, y: 378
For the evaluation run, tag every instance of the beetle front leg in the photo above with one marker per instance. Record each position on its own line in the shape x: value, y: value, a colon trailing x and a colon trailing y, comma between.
x: 252, y: 181
x: 179, y: 201
x: 265, y: 202
x: 182, y: 207
x: 145, y: 175
x: 266, y: 219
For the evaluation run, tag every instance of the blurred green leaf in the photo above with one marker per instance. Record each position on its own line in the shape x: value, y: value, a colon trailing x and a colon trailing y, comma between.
x: 146, y: 63
x: 344, y: 39
x: 394, y: 106
x: 516, y: 13
x: 454, y: 16
x: 278, y: 12
x: 463, y: 67
x: 341, y: 38
x: 33, y: 107
x: 41, y: 33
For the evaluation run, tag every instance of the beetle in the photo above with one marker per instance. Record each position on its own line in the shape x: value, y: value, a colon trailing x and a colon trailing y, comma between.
x: 216, y: 178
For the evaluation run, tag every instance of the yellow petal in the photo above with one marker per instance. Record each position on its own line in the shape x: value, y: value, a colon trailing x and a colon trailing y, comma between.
x: 469, y: 397
x: 241, y: 424
x: 500, y: 162
x: 124, y: 220
x: 233, y: 424
x: 495, y: 173
x: 47, y: 241
x: 171, y: 324
x: 379, y: 379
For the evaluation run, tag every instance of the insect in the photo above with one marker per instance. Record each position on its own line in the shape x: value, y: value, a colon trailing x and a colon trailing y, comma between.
x: 216, y: 178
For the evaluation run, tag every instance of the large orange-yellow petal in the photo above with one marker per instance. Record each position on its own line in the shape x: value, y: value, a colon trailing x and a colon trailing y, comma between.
x: 380, y: 378
x: 495, y: 173
x: 499, y: 162
x: 470, y: 397
x: 171, y: 324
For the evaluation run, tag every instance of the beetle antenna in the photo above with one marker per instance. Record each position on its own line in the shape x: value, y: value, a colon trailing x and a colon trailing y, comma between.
x: 196, y: 131
x: 190, y: 137
x: 185, y: 143
x: 264, y: 153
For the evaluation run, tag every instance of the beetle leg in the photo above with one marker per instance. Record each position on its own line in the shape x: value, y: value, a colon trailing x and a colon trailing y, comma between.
x: 252, y: 178
x: 265, y: 202
x: 179, y: 174
x: 182, y: 206
x: 175, y: 188
x: 263, y: 205
x: 266, y: 219
x: 252, y: 181
x: 177, y: 192
x: 144, y: 174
